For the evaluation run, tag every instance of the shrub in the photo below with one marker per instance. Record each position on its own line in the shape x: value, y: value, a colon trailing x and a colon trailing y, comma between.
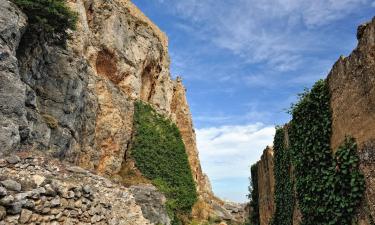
x: 50, y: 17
x: 159, y: 153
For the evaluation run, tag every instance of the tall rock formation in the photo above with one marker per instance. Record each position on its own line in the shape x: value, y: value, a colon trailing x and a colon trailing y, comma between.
x: 77, y: 103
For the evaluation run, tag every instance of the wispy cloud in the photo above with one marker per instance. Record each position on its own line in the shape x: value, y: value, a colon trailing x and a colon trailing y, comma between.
x: 263, y: 30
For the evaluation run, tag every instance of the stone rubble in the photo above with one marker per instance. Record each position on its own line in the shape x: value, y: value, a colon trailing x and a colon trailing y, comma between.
x: 38, y: 190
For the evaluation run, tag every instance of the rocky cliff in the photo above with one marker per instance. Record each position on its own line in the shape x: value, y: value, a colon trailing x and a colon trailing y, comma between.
x: 76, y: 103
x: 351, y: 85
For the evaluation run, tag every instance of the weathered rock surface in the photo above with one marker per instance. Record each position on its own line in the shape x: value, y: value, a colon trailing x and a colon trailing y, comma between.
x: 152, y: 203
x: 12, y: 89
x: 65, y: 197
x: 266, y: 186
x: 352, y: 87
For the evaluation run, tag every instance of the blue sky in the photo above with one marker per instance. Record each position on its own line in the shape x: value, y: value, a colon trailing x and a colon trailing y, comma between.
x: 243, y: 63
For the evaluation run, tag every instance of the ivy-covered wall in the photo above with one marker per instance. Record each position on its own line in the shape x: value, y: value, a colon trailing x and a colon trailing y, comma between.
x: 159, y: 153
x: 284, y: 196
x: 329, y: 187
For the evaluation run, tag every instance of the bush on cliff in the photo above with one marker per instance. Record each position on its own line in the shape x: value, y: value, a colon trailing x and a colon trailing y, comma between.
x: 49, y: 17
x: 159, y: 153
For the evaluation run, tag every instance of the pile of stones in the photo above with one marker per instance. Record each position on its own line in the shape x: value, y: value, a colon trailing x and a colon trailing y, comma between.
x: 36, y: 190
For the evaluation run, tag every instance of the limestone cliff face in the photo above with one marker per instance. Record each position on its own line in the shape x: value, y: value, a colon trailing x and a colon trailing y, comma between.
x: 352, y: 87
x: 181, y: 114
x: 77, y: 103
x: 266, y: 186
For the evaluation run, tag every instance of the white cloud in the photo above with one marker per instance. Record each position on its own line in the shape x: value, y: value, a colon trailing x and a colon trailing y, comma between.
x: 263, y: 30
x: 227, y: 151
x: 373, y: 4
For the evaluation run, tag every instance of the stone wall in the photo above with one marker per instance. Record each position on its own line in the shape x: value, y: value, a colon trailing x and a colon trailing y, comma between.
x: 266, y: 186
x: 352, y: 86
x: 39, y: 190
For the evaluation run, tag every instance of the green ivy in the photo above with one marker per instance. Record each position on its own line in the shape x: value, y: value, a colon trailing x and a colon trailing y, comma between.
x: 50, y: 17
x: 159, y: 153
x: 347, y: 184
x: 329, y: 188
x: 254, y: 196
x: 284, y: 197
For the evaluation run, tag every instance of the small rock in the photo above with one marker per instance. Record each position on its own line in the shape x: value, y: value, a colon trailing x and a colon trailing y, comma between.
x: 29, y: 204
x: 3, y: 213
x: 87, y: 189
x: 3, y: 163
x: 25, y: 216
x: 11, y: 185
x: 46, y: 210
x: 15, y: 208
x: 55, y: 202
x: 50, y: 191
x: 76, y: 169
x: 14, y: 159
x: 3, y: 192
x: 7, y: 200
x: 38, y: 180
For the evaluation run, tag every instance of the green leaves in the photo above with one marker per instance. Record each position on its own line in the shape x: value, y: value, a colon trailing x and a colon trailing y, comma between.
x: 160, y: 155
x: 329, y: 188
x: 284, y: 197
x: 50, y: 17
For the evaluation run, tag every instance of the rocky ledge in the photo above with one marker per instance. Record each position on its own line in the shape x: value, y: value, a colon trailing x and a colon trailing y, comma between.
x: 39, y: 190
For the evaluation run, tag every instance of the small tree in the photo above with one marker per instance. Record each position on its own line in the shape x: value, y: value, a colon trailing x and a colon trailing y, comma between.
x: 52, y: 18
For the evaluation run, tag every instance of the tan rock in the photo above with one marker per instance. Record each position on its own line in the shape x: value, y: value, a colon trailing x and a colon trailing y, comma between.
x: 266, y: 186
x: 352, y: 86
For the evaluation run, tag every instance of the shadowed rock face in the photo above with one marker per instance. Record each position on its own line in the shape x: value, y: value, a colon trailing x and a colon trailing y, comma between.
x: 352, y: 86
x: 12, y: 89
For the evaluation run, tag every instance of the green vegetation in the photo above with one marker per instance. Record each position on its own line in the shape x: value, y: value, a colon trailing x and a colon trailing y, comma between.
x: 284, y: 197
x: 159, y: 153
x: 49, y: 17
x: 254, y: 196
x: 328, y: 188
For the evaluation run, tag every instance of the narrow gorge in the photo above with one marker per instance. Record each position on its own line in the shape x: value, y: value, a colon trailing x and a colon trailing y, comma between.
x: 94, y: 129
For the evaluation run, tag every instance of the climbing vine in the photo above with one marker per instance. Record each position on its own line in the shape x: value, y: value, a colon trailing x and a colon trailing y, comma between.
x: 159, y: 153
x: 329, y: 188
x: 284, y: 197
x: 254, y: 196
